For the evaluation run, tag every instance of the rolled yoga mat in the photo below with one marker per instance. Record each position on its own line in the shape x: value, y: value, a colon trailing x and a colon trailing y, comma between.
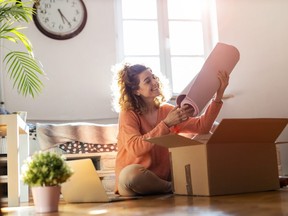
x: 203, y: 87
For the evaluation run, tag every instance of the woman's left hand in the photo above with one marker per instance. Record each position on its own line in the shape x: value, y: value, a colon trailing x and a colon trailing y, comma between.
x: 223, y: 77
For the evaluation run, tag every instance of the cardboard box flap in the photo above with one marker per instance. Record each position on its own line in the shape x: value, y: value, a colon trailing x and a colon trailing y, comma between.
x: 172, y: 141
x: 259, y: 130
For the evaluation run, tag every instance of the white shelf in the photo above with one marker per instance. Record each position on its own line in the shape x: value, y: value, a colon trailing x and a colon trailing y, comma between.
x: 4, y: 199
x: 3, y: 159
x: 16, y: 133
x: 3, y: 178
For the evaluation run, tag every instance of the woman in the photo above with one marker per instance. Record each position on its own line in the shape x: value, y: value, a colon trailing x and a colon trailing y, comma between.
x: 143, y: 168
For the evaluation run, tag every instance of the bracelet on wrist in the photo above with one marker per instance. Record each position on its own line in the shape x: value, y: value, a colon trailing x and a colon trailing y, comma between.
x: 220, y: 102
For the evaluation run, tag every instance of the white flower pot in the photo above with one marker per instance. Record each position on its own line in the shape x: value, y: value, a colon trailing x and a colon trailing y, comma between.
x: 46, y: 199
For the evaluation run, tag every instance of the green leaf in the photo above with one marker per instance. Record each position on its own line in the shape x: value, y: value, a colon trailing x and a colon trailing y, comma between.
x: 45, y: 169
x: 24, y: 69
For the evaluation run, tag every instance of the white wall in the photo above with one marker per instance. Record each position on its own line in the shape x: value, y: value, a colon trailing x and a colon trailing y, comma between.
x: 259, y: 29
x: 78, y: 70
x: 259, y: 82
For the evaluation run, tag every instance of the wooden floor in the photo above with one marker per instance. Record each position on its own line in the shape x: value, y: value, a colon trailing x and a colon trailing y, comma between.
x: 262, y: 203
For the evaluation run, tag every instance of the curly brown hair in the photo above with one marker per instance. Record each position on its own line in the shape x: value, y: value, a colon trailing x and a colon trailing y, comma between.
x: 128, y: 82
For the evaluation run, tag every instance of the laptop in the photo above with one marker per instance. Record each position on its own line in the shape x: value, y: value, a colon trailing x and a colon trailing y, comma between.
x: 85, y: 185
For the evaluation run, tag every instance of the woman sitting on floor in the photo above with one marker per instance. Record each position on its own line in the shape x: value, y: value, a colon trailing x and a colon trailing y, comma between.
x: 143, y: 168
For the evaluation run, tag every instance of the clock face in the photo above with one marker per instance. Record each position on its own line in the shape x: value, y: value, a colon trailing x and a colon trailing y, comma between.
x: 60, y: 19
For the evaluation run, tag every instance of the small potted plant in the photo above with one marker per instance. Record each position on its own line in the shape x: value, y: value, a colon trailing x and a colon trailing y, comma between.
x: 44, y: 172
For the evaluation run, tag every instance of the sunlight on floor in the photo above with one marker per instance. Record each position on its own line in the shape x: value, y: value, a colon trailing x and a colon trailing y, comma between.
x: 24, y: 210
x: 98, y: 211
x: 29, y: 210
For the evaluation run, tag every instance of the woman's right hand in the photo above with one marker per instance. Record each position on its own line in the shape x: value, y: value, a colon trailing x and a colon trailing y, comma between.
x: 178, y: 115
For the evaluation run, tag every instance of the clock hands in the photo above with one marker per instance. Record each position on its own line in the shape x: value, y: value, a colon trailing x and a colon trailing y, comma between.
x: 64, y: 18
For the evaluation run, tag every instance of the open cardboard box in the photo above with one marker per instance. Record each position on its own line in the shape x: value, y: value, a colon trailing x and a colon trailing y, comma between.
x: 239, y: 157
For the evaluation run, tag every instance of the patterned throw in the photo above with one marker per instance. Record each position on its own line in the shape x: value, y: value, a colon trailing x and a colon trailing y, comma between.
x: 76, y: 147
x: 78, y: 136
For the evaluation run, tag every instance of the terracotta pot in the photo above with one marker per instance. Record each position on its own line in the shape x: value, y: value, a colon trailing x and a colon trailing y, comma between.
x: 46, y: 199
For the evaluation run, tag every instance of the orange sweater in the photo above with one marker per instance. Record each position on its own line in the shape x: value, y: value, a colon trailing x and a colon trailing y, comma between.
x: 134, y: 129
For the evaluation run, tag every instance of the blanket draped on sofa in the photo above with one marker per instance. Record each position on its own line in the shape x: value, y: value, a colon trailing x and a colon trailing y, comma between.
x: 51, y: 135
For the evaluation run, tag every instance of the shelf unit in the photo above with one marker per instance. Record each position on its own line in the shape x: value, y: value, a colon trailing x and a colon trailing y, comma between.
x: 3, y: 178
x: 16, y: 132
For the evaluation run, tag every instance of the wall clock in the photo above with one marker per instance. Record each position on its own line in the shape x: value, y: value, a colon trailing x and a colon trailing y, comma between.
x: 60, y: 19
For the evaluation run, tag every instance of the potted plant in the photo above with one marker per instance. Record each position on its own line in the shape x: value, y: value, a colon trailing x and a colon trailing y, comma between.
x: 22, y: 66
x: 44, y: 172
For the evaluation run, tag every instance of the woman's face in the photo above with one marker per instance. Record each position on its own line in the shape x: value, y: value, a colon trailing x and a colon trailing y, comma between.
x: 148, y: 85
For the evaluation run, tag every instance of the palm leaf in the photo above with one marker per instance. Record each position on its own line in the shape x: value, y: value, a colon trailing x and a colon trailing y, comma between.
x: 16, y: 10
x: 24, y: 69
x: 13, y: 34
